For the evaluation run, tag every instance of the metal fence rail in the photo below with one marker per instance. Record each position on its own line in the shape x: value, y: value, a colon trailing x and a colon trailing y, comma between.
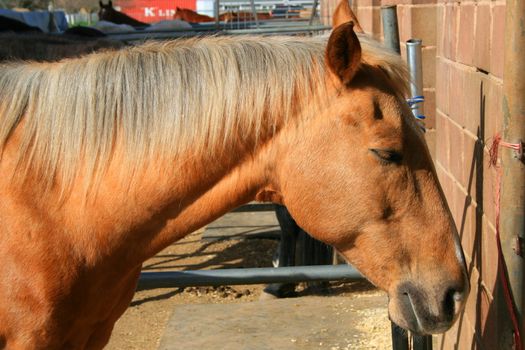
x: 247, y: 276
x: 207, y: 30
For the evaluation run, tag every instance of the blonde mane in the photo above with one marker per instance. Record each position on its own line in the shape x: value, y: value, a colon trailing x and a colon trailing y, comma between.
x: 163, y: 99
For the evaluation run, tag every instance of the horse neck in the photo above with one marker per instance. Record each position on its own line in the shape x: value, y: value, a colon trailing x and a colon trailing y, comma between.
x: 161, y: 205
x: 210, y: 196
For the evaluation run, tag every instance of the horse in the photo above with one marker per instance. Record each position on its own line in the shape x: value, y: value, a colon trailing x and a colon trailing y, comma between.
x: 108, y: 13
x: 191, y: 16
x: 245, y: 16
x: 108, y: 158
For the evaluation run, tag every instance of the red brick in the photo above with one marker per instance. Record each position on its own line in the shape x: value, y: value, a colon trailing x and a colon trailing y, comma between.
x: 404, y: 22
x: 403, y: 48
x: 489, y: 321
x: 442, y: 85
x: 456, y: 152
x: 493, y: 109
x: 456, y: 99
x: 475, y: 241
x: 473, y: 97
x: 327, y: 10
x: 482, y: 39
x: 423, y: 24
x: 443, y: 135
x: 370, y: 20
x: 377, y: 23
x: 468, y: 180
x: 449, y: 339
x: 490, y: 176
x: 497, y: 40
x: 364, y: 15
x: 449, y: 30
x: 467, y: 231
x: 430, y: 138
x: 447, y: 183
x: 454, y: 203
x: 428, y: 56
x: 489, y: 257
x: 358, y: 3
x: 466, y: 335
x: 460, y: 206
x: 471, y: 308
x: 407, y: 2
x: 441, y: 174
x: 440, y: 18
x: 430, y: 108
x: 465, y: 49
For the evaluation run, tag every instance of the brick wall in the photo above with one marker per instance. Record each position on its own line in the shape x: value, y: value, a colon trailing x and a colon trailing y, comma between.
x: 463, y: 81
x: 469, y: 67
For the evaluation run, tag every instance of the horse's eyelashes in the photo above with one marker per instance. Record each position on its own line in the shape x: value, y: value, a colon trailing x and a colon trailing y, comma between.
x: 387, y: 155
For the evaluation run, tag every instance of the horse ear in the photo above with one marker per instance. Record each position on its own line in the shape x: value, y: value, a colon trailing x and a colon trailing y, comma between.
x: 110, y: 3
x: 342, y: 14
x: 100, y: 4
x: 343, y: 52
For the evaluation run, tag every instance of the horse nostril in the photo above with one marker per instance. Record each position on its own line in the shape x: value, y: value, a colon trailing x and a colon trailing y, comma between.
x: 458, y: 296
x: 453, y: 296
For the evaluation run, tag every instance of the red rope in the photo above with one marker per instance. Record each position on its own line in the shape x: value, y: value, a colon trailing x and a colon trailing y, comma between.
x: 502, y: 268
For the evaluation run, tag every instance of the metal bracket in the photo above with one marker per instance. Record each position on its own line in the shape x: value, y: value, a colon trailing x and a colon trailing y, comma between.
x: 518, y: 154
x: 517, y: 246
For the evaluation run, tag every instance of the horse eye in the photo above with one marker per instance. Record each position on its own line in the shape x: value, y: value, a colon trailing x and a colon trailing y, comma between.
x: 387, y: 155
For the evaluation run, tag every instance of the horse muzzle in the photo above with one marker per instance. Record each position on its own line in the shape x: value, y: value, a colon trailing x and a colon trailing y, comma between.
x: 427, y: 310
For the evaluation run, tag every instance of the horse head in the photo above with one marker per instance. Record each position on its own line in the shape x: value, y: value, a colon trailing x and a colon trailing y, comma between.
x: 105, y: 11
x: 359, y: 177
x: 178, y: 14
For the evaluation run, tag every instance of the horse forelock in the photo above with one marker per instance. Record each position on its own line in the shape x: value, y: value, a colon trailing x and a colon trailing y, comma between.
x: 162, y: 100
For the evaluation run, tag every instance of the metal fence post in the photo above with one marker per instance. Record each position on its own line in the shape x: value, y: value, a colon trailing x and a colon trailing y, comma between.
x: 216, y: 10
x: 390, y: 27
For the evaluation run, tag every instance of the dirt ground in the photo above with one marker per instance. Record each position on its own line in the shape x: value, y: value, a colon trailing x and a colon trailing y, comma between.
x: 142, y: 326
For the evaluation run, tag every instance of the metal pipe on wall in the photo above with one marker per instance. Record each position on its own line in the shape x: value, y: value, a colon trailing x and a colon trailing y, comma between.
x: 216, y: 10
x: 512, y: 203
x: 390, y: 27
x: 416, y: 74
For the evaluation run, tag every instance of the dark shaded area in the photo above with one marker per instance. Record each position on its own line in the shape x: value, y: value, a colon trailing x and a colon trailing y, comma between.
x: 47, y: 47
x: 85, y: 32
x: 238, y: 254
x: 298, y: 248
x: 8, y: 24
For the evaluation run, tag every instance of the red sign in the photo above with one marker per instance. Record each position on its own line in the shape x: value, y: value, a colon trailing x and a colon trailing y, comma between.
x: 151, y: 11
